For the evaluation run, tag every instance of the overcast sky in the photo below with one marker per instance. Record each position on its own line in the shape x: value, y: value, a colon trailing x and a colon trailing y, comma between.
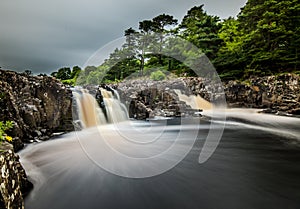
x: 45, y: 35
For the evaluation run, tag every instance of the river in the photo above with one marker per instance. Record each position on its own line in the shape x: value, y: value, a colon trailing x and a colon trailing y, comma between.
x: 256, y: 165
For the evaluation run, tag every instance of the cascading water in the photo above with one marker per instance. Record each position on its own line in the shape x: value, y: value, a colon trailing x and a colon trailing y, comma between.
x: 88, y: 113
x: 196, y: 102
x: 116, y: 111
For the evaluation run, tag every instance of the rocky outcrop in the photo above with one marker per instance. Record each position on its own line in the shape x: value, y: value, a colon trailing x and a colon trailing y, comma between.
x: 275, y: 94
x: 38, y: 106
x: 147, y: 98
x: 13, y: 180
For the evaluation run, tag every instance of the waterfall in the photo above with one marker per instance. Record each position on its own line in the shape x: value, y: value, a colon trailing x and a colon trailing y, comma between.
x: 116, y: 111
x: 88, y: 113
x: 196, y: 102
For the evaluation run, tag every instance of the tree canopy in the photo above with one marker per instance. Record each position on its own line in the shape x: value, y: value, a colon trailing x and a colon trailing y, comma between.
x: 262, y: 40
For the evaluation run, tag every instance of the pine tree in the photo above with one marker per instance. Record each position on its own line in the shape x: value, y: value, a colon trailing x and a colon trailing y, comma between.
x: 271, y: 35
x: 202, y: 30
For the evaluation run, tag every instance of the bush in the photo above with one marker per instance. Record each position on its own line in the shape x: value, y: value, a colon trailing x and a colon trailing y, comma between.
x: 157, y: 76
x: 70, y: 82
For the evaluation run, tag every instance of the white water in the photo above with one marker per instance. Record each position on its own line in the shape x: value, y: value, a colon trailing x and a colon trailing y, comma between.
x: 116, y: 111
x: 90, y: 114
x: 196, y: 102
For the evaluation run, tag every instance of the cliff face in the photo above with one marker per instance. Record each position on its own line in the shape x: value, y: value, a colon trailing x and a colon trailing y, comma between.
x: 39, y: 106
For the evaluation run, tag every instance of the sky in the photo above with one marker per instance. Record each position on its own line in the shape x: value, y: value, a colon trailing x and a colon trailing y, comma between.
x: 43, y: 36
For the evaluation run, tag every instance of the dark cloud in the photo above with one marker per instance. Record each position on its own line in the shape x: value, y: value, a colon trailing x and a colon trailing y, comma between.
x: 45, y: 35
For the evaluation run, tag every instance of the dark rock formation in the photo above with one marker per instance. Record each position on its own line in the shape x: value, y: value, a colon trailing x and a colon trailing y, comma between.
x: 208, y: 89
x: 38, y: 106
x: 274, y: 93
x: 147, y: 99
x: 13, y: 180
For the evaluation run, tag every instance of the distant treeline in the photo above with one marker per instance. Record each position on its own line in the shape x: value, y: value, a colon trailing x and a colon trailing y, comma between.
x: 262, y: 40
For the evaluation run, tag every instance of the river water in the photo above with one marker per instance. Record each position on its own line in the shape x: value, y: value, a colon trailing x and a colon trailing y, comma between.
x: 256, y: 165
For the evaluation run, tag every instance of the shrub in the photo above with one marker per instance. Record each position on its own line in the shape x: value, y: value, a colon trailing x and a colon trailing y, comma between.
x: 157, y: 76
x: 3, y: 128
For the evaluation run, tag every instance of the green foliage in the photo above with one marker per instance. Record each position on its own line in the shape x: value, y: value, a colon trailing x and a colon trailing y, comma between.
x: 75, y: 72
x: 3, y: 128
x: 70, y: 82
x: 64, y: 73
x: 230, y: 61
x: 202, y: 30
x: 67, y: 76
x: 157, y: 76
x: 263, y: 40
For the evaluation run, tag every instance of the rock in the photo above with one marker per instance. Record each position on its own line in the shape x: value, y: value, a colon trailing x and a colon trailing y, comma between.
x: 276, y: 93
x: 13, y: 180
x: 273, y: 93
x: 295, y: 111
x: 147, y: 98
x: 38, y: 106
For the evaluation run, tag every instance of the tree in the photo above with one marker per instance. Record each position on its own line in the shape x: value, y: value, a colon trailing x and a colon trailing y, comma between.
x: 63, y: 73
x: 229, y: 61
x: 54, y: 74
x: 160, y: 24
x: 75, y: 72
x: 129, y: 53
x: 146, y: 27
x: 93, y: 78
x: 271, y: 35
x: 131, y: 36
x: 28, y: 72
x: 202, y: 30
